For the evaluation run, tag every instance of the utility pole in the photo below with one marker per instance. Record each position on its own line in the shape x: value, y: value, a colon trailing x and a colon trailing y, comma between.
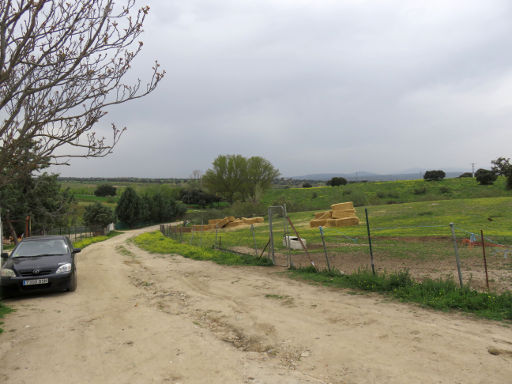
x: 473, y: 170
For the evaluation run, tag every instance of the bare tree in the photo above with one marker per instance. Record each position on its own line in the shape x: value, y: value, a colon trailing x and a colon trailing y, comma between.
x: 61, y: 65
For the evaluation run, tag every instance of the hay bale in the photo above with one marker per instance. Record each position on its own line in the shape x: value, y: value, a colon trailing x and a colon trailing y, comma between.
x: 318, y: 223
x: 214, y: 221
x: 224, y: 222
x: 341, y: 214
x: 234, y: 224
x: 342, y: 206
x: 323, y: 215
x: 252, y: 220
x: 343, y: 222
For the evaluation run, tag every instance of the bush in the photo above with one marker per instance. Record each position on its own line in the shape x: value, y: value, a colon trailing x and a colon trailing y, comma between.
x: 198, y: 197
x: 466, y: 174
x: 420, y: 191
x: 337, y: 181
x: 434, y: 175
x: 105, y: 190
x: 485, y: 177
x: 306, y: 185
x: 444, y: 190
x: 98, y: 215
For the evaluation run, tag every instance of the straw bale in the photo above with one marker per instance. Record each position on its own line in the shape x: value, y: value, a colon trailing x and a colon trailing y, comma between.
x: 223, y: 222
x: 234, y: 224
x: 252, y: 220
x: 342, y: 206
x: 341, y: 214
x: 214, y: 221
x: 343, y: 222
x: 318, y: 222
x: 230, y: 218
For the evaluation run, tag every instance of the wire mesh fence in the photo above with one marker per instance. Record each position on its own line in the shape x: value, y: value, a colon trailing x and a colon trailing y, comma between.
x: 75, y: 233
x: 429, y: 251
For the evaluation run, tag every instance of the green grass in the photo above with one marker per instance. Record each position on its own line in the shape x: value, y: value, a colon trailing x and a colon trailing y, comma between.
x: 442, y: 295
x: 96, y: 239
x: 386, y: 192
x: 155, y: 242
x: 4, y: 309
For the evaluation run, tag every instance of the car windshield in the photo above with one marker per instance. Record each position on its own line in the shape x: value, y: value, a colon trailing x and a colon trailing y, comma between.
x: 40, y: 248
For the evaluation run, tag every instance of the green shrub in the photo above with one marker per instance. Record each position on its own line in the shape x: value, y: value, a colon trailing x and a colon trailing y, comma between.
x: 420, y: 190
x: 485, y: 177
x: 434, y: 175
x: 444, y: 190
x: 337, y: 181
x: 105, y: 190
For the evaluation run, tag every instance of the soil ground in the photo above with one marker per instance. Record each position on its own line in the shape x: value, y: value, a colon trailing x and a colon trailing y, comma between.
x: 144, y: 318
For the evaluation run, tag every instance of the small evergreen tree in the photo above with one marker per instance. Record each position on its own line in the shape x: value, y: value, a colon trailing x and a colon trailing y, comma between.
x: 128, y: 208
x: 98, y: 215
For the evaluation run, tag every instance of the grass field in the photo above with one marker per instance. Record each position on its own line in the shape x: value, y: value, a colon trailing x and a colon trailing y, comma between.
x: 414, y: 236
x: 388, y: 192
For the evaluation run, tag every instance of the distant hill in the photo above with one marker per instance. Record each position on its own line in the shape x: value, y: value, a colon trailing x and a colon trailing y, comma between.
x: 359, y: 176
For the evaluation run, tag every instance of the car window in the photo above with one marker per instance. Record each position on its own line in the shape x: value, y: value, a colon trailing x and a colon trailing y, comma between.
x: 41, y: 247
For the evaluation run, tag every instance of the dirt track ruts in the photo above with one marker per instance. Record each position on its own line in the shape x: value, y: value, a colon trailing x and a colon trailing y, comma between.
x: 143, y: 318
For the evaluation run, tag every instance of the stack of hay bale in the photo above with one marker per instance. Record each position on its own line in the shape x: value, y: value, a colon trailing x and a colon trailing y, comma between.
x: 341, y: 215
x: 227, y: 222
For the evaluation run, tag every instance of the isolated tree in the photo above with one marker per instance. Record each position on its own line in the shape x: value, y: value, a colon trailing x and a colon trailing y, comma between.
x: 306, y: 185
x: 128, y: 209
x: 260, y: 174
x: 236, y: 178
x: 434, y: 175
x: 98, y: 216
x: 337, y: 181
x: 62, y: 64
x: 501, y: 166
x: 485, y: 177
x: 105, y: 190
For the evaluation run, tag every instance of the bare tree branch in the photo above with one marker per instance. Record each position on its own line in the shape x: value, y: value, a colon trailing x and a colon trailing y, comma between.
x: 62, y: 65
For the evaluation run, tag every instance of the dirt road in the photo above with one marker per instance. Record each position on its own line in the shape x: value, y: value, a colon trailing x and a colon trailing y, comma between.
x: 142, y: 318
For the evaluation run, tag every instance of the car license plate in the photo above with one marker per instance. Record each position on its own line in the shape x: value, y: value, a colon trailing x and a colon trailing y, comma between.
x: 35, y: 282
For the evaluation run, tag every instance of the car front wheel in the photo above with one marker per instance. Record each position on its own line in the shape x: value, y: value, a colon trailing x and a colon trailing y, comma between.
x: 72, y: 282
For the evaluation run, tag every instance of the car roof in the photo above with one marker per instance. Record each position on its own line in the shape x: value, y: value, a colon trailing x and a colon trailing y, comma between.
x: 47, y: 237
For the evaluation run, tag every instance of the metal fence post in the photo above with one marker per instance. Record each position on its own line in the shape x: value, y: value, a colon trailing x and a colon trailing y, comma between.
x: 369, y: 240
x: 271, y: 237
x: 325, y: 249
x: 456, y: 253
x: 485, y: 259
x: 254, y: 240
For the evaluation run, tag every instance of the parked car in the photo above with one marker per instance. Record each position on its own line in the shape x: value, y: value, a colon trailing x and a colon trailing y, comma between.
x: 39, y: 263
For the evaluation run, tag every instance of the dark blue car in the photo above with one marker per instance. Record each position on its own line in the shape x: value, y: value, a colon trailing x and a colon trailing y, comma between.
x: 39, y: 263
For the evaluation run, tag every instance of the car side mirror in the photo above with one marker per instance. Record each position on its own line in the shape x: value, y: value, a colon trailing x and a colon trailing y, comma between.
x: 76, y: 250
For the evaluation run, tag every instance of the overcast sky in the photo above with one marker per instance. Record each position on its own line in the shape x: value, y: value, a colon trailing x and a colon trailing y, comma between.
x: 318, y: 86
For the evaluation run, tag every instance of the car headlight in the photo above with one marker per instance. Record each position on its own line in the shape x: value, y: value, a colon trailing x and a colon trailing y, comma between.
x: 64, y: 268
x: 5, y: 272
